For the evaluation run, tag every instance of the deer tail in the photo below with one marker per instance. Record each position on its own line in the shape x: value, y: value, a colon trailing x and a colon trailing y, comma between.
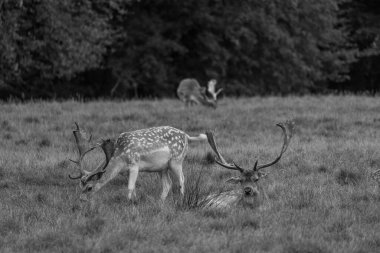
x: 200, y: 137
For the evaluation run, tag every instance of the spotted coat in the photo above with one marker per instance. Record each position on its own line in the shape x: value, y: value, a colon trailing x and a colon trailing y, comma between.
x: 131, y: 145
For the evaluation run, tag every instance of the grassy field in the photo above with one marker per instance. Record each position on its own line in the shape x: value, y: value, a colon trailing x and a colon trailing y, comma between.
x: 321, y: 195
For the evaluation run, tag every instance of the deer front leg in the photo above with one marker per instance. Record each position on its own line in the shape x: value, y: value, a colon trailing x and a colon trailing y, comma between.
x: 176, y: 167
x: 166, y: 184
x: 133, y: 173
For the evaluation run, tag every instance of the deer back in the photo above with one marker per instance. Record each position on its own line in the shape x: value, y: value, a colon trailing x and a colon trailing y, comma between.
x: 132, y: 145
x: 190, y: 87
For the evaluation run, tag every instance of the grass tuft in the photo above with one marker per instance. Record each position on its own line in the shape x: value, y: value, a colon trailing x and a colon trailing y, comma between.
x: 215, y: 213
x: 31, y: 119
x: 50, y: 241
x: 209, y: 158
x: 120, y: 199
x: 8, y: 184
x: 345, y: 177
x: 219, y: 225
x: 91, y: 227
x: 250, y: 223
x: 21, y: 142
x: 32, y: 216
x: 195, y: 191
x: 134, y: 233
x: 45, y: 142
x: 7, y: 136
x: 38, y: 180
x: 322, y: 169
x: 303, y: 198
x: 9, y: 226
x: 6, y: 126
x: 337, y: 231
x: 304, y: 247
x: 63, y: 164
x: 41, y: 198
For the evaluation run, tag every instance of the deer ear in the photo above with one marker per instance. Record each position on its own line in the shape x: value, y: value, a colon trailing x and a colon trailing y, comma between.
x: 233, y: 180
x: 262, y: 174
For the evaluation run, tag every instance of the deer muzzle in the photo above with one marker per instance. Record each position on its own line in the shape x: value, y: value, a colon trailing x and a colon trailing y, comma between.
x: 249, y: 191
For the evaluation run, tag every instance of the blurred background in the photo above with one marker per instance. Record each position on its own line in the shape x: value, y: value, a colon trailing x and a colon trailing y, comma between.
x: 142, y: 49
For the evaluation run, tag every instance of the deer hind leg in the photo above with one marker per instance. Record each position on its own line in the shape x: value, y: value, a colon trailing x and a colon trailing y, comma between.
x: 176, y: 167
x: 166, y: 184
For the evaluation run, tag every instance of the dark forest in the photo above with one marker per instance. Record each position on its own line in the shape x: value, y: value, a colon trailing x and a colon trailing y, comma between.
x: 128, y: 49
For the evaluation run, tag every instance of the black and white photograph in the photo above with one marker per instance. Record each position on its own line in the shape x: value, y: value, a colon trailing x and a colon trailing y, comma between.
x: 190, y: 126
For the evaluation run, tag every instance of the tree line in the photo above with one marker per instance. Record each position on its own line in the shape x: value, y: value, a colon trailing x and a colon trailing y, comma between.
x: 142, y: 48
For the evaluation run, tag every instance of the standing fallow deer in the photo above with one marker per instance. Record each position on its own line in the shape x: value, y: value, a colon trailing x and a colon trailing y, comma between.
x: 156, y: 149
x: 250, y: 192
x: 189, y: 91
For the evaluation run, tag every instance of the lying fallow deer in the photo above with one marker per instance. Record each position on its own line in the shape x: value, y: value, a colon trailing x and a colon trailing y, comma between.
x: 250, y: 192
x: 189, y: 91
x: 157, y: 149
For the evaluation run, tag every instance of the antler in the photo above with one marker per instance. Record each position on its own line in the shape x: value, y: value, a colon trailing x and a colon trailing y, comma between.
x: 211, y: 88
x: 108, y: 149
x: 222, y: 161
x: 82, y: 139
x: 288, y: 130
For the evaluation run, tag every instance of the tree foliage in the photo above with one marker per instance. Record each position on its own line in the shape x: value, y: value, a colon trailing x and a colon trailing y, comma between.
x: 362, y: 22
x: 43, y: 41
x: 144, y: 48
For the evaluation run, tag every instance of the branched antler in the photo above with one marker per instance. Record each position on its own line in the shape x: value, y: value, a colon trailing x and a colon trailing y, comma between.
x: 83, y: 139
x: 108, y: 149
x: 221, y: 161
x: 288, y: 130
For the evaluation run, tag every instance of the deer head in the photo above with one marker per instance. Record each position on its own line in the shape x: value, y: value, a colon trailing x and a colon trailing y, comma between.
x: 207, y: 101
x: 249, y: 178
x: 83, y: 143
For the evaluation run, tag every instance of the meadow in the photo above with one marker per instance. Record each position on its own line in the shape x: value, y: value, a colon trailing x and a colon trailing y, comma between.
x: 321, y: 194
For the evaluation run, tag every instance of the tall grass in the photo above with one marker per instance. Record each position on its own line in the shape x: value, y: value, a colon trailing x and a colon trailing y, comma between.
x: 322, y: 197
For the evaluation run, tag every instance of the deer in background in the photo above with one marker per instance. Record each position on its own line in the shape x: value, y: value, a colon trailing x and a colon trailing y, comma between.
x: 250, y: 193
x: 157, y: 149
x: 189, y: 91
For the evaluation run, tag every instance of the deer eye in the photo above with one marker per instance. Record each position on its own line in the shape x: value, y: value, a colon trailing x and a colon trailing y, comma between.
x: 255, y: 178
